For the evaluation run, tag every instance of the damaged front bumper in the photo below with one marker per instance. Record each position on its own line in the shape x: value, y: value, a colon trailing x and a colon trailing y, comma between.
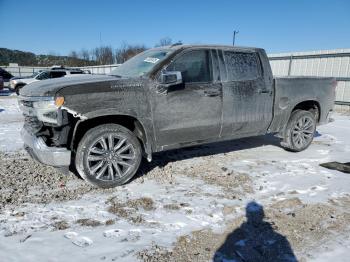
x: 52, y: 156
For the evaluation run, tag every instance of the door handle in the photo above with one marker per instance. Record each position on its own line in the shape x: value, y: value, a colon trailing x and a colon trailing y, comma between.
x: 211, y: 93
x: 264, y: 91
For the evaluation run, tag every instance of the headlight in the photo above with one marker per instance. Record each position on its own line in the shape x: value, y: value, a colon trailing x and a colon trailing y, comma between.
x: 46, y: 111
x: 44, y: 105
x: 44, y: 108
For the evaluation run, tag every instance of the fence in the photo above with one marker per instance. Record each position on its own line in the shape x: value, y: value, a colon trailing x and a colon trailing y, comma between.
x: 334, y: 63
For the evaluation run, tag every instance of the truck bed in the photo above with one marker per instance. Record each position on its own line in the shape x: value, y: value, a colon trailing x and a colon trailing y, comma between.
x: 292, y: 90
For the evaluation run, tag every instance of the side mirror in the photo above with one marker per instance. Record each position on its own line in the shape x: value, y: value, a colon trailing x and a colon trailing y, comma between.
x: 170, y: 78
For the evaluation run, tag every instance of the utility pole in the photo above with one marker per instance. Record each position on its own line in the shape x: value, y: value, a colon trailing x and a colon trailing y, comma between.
x: 234, y: 36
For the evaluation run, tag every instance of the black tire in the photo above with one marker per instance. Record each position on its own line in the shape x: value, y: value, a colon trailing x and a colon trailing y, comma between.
x: 299, y: 131
x: 92, y: 152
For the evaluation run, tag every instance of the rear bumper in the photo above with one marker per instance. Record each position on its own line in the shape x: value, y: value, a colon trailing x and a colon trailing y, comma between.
x: 52, y: 156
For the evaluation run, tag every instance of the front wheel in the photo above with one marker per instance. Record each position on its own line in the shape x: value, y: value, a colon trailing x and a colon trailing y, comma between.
x: 108, y: 155
x: 300, y: 131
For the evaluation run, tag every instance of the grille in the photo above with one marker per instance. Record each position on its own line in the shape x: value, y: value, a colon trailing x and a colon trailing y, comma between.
x: 32, y: 124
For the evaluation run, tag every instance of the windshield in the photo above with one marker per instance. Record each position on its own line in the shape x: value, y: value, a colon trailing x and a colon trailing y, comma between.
x: 142, y: 63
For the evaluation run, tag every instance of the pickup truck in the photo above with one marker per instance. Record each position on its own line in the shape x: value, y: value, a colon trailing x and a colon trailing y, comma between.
x: 168, y: 98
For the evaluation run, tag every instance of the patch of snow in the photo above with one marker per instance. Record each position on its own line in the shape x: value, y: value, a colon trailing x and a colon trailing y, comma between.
x: 162, y: 226
x: 82, y: 241
x: 11, y: 122
x: 334, y: 250
x: 71, y: 235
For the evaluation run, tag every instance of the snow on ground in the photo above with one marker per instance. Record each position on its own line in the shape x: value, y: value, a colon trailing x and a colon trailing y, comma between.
x: 336, y: 250
x: 116, y: 241
x: 10, y: 124
x: 186, y: 195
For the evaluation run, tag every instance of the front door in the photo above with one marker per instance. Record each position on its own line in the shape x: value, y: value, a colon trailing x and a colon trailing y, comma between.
x: 191, y: 112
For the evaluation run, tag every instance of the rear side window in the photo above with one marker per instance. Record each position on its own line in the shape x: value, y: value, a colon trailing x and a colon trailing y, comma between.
x: 56, y: 74
x: 241, y: 66
x: 193, y: 65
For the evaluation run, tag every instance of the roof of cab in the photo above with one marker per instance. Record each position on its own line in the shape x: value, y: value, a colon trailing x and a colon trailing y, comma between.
x: 185, y: 46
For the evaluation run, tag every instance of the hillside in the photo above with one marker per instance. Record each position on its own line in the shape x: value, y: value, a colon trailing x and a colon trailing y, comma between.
x: 30, y: 59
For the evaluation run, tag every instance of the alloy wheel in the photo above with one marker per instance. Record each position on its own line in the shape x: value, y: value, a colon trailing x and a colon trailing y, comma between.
x: 111, y: 157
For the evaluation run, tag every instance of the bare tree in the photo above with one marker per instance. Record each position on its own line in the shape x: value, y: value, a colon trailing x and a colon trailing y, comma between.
x: 125, y: 52
x: 103, y: 55
x: 73, y: 54
x: 84, y: 54
x: 164, y: 42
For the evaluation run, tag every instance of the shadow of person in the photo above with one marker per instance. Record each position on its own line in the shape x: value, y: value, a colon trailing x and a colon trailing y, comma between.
x: 255, y: 240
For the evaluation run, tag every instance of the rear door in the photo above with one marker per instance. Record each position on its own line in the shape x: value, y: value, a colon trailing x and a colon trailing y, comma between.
x: 247, y: 104
x: 189, y: 113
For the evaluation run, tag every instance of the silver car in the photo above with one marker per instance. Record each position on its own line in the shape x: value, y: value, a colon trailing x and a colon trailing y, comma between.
x: 17, y: 83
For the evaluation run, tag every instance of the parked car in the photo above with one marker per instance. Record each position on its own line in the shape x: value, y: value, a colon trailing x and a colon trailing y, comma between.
x: 17, y: 83
x: 167, y: 98
x: 6, y: 76
x: 1, y: 83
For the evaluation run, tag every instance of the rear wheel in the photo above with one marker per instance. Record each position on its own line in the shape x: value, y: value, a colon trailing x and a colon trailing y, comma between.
x: 300, y: 131
x: 108, y: 155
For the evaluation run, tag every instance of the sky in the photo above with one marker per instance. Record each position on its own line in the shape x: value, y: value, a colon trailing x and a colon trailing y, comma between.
x: 44, y: 26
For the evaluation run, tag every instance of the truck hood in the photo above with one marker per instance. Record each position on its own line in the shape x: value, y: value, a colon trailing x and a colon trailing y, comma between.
x: 51, y: 86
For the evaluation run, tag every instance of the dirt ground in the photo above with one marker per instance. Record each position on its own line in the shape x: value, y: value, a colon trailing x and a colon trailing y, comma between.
x: 260, y: 237
x: 305, y: 226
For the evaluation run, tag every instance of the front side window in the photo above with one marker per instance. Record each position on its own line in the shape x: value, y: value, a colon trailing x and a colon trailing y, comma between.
x: 241, y: 66
x: 193, y: 65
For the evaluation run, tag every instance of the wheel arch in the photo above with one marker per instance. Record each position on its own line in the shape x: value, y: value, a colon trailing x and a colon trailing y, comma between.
x: 128, y: 121
x: 309, y: 105
x: 19, y: 86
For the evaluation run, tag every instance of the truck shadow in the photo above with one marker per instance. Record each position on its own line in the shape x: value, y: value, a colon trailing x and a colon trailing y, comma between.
x: 161, y: 159
x: 255, y: 240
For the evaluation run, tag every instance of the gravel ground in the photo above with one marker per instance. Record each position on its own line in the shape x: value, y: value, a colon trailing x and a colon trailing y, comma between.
x: 306, y: 226
x: 25, y: 181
